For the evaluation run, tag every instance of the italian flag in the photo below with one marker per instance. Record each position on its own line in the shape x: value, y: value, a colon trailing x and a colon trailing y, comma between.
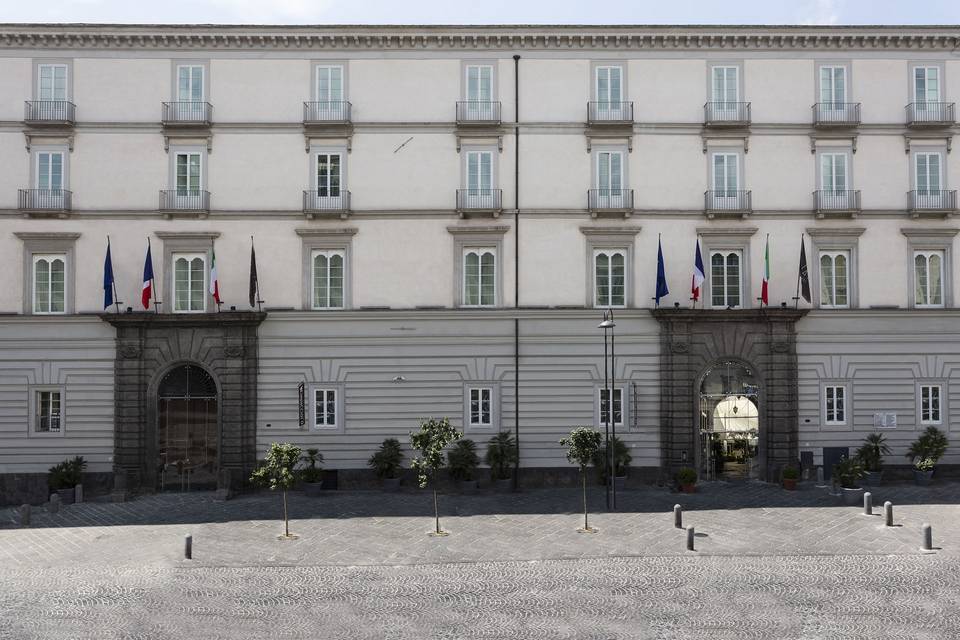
x: 764, y: 296
x: 214, y: 281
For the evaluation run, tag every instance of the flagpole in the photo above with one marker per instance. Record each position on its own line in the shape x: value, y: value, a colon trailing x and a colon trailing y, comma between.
x: 796, y: 298
x: 213, y: 265
x: 153, y: 285
x: 257, y: 281
x: 766, y: 268
x: 113, y: 279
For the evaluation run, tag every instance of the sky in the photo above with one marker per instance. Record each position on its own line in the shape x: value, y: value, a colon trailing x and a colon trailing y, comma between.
x: 486, y: 11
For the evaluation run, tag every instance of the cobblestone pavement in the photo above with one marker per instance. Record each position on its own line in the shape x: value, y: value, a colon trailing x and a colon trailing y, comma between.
x: 769, y: 563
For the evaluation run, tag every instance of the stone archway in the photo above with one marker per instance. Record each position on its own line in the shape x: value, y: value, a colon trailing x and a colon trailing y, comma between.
x: 691, y: 342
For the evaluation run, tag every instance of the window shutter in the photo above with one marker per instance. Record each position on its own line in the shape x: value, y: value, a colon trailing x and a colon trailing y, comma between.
x: 615, y: 84
x: 603, y: 171
x: 839, y: 172
x: 840, y: 85
x: 933, y: 171
x: 616, y: 173
x: 336, y: 83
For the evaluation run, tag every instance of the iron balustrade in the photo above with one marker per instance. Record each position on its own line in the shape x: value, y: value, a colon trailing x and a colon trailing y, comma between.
x: 930, y: 113
x: 479, y: 199
x: 726, y: 113
x: 836, y: 114
x: 610, y: 199
x: 184, y: 200
x: 326, y: 111
x: 49, y: 111
x: 609, y: 112
x: 326, y: 201
x: 836, y: 200
x: 188, y: 112
x: 478, y: 112
x: 931, y: 200
x: 728, y: 200
x: 45, y: 200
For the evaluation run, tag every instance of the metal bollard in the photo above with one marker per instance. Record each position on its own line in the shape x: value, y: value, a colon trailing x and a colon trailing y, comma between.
x: 78, y: 494
x: 690, y: 536
x: 868, y: 504
x: 54, y: 505
x: 927, y: 537
x: 678, y: 516
x: 188, y: 547
x: 25, y: 515
x: 888, y: 514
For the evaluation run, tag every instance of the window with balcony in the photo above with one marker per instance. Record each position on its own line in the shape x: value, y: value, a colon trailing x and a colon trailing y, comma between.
x: 834, y: 193
x: 928, y: 278
x: 833, y: 85
x: 929, y: 191
x: 49, y: 283
x: 51, y: 103
x: 188, y: 193
x: 834, y: 279
x: 479, y: 104
x: 52, y: 83
x: 928, y: 106
x: 479, y: 277
x: 726, y: 192
x: 725, y: 279
x: 48, y: 191
x: 479, y: 175
x: 609, y: 277
x: 926, y: 85
x: 610, y: 192
x: 328, y: 278
x: 327, y: 193
x: 189, y: 282
x: 726, y: 106
x: 329, y: 103
x: 189, y: 106
x: 610, y: 104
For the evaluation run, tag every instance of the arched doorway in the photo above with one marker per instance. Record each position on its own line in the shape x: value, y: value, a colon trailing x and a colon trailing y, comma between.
x: 187, y: 434
x: 729, y: 423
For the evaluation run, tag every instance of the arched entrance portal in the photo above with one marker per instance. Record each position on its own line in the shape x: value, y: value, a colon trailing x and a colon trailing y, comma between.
x: 187, y: 434
x: 729, y: 422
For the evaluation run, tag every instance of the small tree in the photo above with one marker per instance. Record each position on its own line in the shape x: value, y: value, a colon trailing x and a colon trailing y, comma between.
x: 278, y: 472
x: 583, y: 444
x: 430, y: 441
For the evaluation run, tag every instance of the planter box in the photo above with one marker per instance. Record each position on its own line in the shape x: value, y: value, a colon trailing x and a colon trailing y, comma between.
x: 688, y: 488
x: 852, y: 497
x: 66, y: 495
x: 790, y: 484
x: 872, y: 478
x: 922, y: 478
x: 390, y: 485
x: 312, y: 489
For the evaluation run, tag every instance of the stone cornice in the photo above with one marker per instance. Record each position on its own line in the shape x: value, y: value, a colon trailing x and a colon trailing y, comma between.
x: 495, y: 37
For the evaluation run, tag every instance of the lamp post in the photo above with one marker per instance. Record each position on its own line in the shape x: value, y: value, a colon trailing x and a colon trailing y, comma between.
x: 609, y: 374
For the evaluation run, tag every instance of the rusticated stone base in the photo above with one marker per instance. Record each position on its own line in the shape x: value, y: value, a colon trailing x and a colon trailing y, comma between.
x: 32, y: 488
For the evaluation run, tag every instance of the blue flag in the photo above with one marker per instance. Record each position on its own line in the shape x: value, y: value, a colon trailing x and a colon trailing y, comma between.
x: 107, y: 279
x: 662, y: 289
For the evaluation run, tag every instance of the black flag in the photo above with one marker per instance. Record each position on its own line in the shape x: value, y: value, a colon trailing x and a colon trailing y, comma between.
x: 254, y: 285
x: 804, y: 273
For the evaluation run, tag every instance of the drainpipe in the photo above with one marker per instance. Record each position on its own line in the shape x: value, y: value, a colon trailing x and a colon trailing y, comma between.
x: 516, y: 267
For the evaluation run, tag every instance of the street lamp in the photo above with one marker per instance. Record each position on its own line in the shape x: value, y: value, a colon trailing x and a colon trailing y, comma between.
x: 611, y: 425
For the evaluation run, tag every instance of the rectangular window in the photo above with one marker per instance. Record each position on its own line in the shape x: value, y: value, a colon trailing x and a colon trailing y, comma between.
x: 726, y: 175
x: 930, y: 404
x: 52, y: 83
x: 328, y: 278
x: 48, y: 414
x: 479, y: 277
x: 481, y: 411
x: 188, y: 178
x: 835, y: 404
x: 329, y: 84
x: 49, y: 278
x: 325, y: 408
x: 926, y: 84
x: 190, y: 83
x: 725, y: 279
x: 833, y: 172
x: 609, y: 277
x: 329, y: 175
x: 479, y: 83
x: 50, y: 170
x: 726, y: 84
x: 833, y: 85
x: 610, y: 173
x: 479, y: 172
x: 834, y: 279
x: 189, y: 282
x: 928, y: 278
x: 927, y: 173
x: 617, y: 418
x: 609, y: 86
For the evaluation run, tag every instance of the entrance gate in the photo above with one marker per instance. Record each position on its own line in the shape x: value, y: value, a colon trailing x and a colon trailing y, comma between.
x: 187, y: 434
x: 729, y: 423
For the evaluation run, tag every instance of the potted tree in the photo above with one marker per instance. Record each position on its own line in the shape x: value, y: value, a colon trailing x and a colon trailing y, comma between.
x: 64, y: 478
x: 582, y: 444
x: 621, y: 460
x: 847, y: 474
x: 278, y: 472
x: 463, y: 461
x: 871, y: 454
x: 687, y: 479
x: 386, y: 462
x: 311, y: 474
x: 790, y: 475
x: 924, y: 453
x: 501, y: 457
x: 430, y: 441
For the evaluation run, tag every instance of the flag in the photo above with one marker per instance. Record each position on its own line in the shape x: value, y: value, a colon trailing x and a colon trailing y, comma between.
x: 107, y: 278
x: 254, y: 284
x: 698, y: 276
x: 214, y: 281
x: 804, y: 275
x: 662, y: 289
x: 147, y: 291
x: 764, y: 292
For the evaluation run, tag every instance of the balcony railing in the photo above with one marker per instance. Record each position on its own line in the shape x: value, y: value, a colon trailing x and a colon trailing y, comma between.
x: 931, y: 200
x: 920, y: 114
x: 609, y: 112
x: 45, y: 200
x: 479, y: 200
x: 726, y: 113
x: 478, y: 112
x: 836, y: 114
x: 184, y: 200
x: 319, y: 202
x: 727, y: 202
x: 326, y: 112
x: 49, y: 112
x: 842, y: 201
x: 191, y: 113
x: 610, y: 200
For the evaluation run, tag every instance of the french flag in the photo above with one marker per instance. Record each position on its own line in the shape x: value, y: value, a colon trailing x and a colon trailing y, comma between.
x: 147, y: 280
x: 697, y: 274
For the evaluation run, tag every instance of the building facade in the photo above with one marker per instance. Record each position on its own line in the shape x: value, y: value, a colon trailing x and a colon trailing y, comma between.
x: 442, y: 214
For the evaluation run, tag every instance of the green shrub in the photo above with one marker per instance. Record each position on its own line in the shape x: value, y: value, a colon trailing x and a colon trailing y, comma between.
x: 67, y: 474
x: 931, y: 445
x: 501, y: 455
x: 388, y: 459
x: 313, y: 471
x: 686, y: 475
x: 463, y: 460
x: 848, y: 472
x: 790, y: 472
